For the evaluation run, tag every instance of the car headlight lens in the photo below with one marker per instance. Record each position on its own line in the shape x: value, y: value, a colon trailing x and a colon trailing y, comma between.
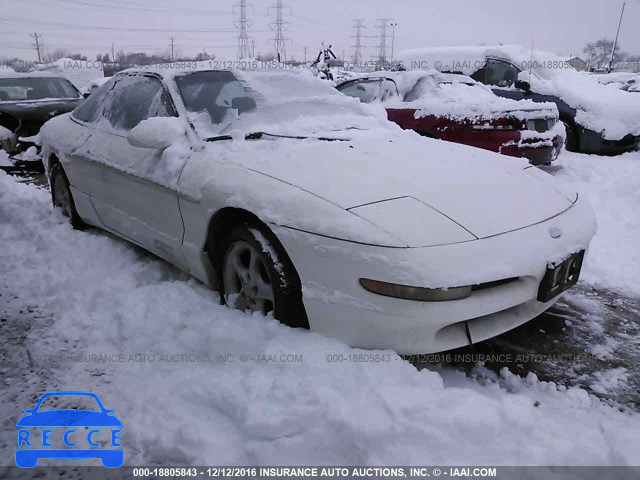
x: 419, y: 294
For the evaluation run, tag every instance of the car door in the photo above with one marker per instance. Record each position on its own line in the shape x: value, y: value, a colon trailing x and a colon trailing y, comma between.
x: 135, y: 194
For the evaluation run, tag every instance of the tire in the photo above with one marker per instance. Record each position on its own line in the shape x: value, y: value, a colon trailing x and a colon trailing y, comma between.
x: 255, y: 274
x: 571, y: 142
x: 62, y: 198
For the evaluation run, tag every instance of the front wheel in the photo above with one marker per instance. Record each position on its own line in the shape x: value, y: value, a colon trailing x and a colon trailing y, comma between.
x: 62, y: 198
x: 256, y: 275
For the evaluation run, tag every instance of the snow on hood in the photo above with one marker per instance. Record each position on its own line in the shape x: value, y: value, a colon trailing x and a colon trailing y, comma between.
x: 484, y: 192
x: 611, y: 112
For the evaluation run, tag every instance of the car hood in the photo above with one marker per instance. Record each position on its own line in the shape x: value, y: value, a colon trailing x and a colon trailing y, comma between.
x: 39, y: 109
x: 484, y: 193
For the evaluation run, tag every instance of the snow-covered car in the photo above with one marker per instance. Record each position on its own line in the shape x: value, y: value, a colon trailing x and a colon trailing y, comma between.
x: 458, y: 109
x: 629, y: 82
x: 296, y: 201
x: 598, y: 120
x: 27, y: 101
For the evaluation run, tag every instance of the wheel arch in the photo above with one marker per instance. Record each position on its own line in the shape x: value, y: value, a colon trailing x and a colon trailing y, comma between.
x: 227, y: 218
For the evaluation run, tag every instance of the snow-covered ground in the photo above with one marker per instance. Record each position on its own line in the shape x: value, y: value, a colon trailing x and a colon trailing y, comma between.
x: 281, y: 400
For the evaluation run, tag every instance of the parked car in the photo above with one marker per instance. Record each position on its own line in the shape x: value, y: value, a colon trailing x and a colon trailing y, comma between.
x: 27, y: 101
x: 629, y: 82
x: 598, y: 120
x: 296, y: 201
x: 456, y: 108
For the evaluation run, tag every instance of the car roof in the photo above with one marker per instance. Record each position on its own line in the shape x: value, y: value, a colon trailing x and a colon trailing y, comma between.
x: 7, y: 73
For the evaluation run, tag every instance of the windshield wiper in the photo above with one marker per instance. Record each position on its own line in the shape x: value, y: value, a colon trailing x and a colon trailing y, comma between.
x: 261, y: 135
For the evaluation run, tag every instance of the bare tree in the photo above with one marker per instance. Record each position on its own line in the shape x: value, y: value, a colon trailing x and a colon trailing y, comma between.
x: 599, y: 53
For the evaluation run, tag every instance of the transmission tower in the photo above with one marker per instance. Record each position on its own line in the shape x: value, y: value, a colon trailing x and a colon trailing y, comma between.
x: 244, y: 51
x: 382, y: 46
x: 279, y: 25
x: 357, y: 48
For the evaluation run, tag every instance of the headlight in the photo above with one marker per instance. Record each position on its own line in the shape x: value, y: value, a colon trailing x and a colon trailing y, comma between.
x: 419, y: 294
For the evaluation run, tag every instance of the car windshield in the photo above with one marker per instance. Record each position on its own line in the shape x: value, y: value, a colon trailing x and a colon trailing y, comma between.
x: 211, y: 96
x: 448, y: 89
x: 35, y: 88
x: 370, y: 90
x: 276, y: 102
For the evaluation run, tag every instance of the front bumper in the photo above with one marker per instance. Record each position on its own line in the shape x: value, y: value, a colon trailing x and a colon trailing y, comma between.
x: 338, y: 307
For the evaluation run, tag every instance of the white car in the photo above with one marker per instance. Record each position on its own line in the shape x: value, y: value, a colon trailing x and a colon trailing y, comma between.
x: 296, y: 201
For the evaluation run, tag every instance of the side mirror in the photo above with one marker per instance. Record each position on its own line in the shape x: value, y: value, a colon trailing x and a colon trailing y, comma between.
x: 86, y: 94
x: 158, y: 133
x: 522, y: 85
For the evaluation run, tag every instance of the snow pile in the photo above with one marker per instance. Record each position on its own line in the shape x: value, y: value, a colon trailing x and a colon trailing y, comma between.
x: 182, y: 403
x: 78, y: 72
x: 611, y: 112
x: 612, y: 186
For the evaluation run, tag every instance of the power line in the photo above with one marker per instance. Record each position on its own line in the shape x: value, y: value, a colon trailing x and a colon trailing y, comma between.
x: 10, y: 19
x: 73, y: 4
x: 279, y: 41
x: 243, y: 24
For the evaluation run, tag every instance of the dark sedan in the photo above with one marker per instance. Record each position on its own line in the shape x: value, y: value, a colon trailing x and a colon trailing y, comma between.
x: 27, y: 101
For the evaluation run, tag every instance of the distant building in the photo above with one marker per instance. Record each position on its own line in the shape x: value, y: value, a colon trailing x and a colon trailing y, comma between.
x: 578, y: 63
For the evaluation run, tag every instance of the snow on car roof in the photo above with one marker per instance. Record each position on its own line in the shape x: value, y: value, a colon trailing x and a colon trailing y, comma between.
x: 6, y: 73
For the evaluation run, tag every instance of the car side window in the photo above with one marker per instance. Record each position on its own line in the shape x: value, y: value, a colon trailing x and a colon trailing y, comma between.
x: 499, y: 73
x: 134, y: 99
x: 89, y: 110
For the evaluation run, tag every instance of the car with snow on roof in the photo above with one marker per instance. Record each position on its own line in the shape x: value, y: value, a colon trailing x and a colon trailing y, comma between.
x: 458, y: 109
x: 598, y: 120
x: 298, y: 202
x: 27, y: 101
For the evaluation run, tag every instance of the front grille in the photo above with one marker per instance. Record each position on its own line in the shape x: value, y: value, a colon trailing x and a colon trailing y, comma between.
x: 540, y: 125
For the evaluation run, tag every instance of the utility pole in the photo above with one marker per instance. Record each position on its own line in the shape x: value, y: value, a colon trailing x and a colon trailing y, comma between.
x: 279, y: 41
x: 357, y: 48
x: 615, y: 43
x: 382, y: 46
x: 393, y: 38
x: 243, y: 24
x: 37, y: 37
x: 113, y: 54
x: 305, y: 54
x: 173, y: 57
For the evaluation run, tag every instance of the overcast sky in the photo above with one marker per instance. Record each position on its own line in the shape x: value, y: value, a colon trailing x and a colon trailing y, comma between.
x: 91, y: 26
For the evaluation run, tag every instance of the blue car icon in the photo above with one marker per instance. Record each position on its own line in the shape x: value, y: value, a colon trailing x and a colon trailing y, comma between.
x: 70, y: 419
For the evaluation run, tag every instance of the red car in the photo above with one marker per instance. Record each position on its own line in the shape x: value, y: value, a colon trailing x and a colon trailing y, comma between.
x: 456, y: 108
